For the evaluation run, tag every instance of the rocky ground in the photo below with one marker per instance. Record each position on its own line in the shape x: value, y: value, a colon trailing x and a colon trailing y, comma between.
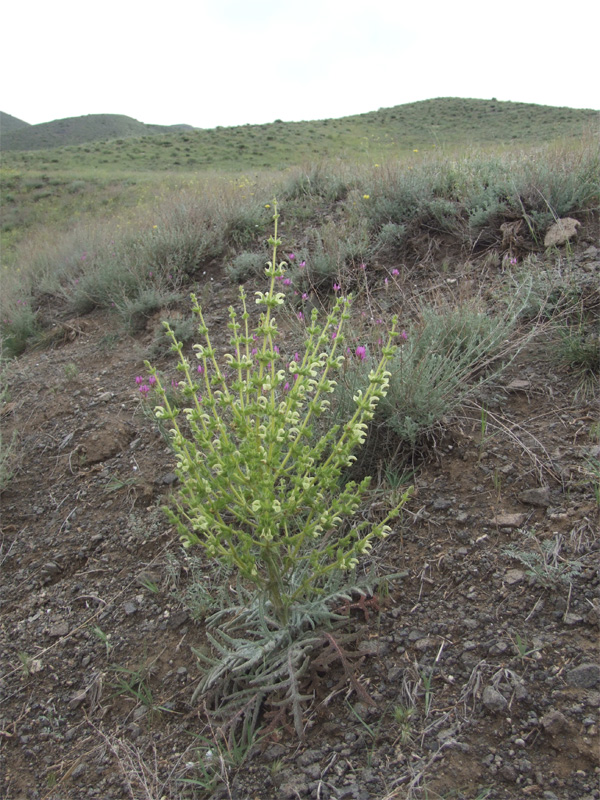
x: 478, y: 668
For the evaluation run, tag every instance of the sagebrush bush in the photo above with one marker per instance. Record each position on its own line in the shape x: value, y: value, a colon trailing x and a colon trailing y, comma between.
x: 244, y: 226
x: 18, y: 326
x: 135, y: 312
x: 245, y: 266
x: 7, y: 448
x: 447, y: 355
x: 576, y: 344
x: 317, y: 183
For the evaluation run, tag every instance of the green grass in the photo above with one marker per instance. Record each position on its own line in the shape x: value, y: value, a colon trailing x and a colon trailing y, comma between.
x: 126, y: 224
x: 76, y: 130
x: 415, y: 128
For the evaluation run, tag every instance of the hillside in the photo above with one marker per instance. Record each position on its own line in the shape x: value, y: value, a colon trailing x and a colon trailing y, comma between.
x: 430, y: 125
x: 79, y: 130
x: 471, y: 673
x: 9, y: 124
x: 458, y: 659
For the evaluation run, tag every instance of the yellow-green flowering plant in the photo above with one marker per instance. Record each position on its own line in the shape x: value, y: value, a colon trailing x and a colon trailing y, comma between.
x: 260, y: 487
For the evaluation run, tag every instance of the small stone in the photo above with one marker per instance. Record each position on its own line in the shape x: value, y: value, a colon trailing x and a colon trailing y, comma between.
x: 309, y: 757
x: 514, y: 576
x: 427, y: 643
x: 560, y: 233
x: 313, y: 771
x: 169, y: 478
x: 493, y: 700
x: 536, y: 497
x: 178, y: 619
x: 51, y: 568
x: 585, y: 676
x: 508, y: 520
x: 572, y: 619
x: 134, y: 730
x: 129, y: 608
x: 553, y: 722
x: 441, y: 504
x: 373, y: 647
x: 509, y: 773
x: 60, y: 629
x: 79, y: 770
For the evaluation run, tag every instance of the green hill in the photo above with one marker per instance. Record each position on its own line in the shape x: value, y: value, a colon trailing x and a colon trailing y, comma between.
x: 79, y: 130
x: 429, y: 125
x: 8, y: 124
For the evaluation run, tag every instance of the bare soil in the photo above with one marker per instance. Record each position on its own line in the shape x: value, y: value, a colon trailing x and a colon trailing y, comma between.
x: 479, y: 667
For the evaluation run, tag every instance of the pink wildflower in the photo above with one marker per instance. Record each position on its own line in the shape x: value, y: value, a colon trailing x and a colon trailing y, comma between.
x: 395, y: 272
x: 361, y: 352
x: 336, y: 287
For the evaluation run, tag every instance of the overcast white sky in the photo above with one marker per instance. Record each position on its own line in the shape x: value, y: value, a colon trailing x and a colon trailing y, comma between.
x: 231, y: 62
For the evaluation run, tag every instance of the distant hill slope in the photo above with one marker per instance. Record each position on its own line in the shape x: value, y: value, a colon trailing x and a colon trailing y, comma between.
x: 79, y: 130
x: 8, y: 124
x: 448, y: 123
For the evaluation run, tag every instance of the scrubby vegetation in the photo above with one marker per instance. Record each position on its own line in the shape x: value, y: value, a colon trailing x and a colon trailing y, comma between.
x: 344, y: 223
x: 289, y: 435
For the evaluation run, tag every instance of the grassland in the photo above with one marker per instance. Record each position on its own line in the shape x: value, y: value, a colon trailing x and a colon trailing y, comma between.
x: 105, y: 141
x: 76, y: 130
x: 354, y: 189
